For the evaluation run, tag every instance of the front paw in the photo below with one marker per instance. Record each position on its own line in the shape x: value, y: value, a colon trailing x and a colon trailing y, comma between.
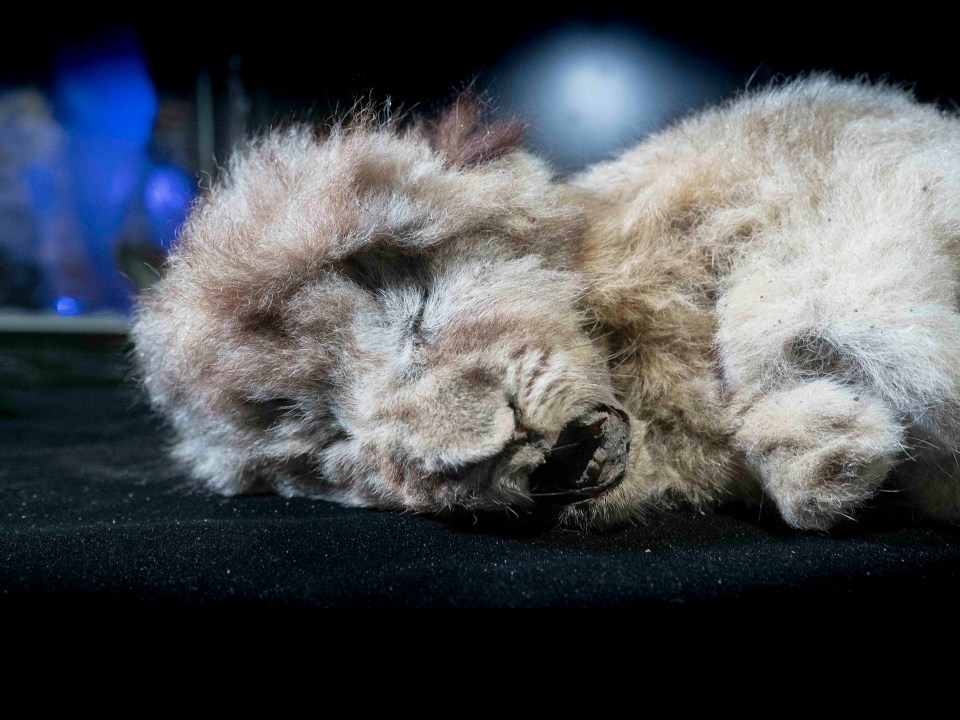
x: 820, y: 450
x: 818, y: 488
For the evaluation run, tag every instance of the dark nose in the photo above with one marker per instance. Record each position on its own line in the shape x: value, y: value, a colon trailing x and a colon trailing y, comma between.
x: 589, y: 458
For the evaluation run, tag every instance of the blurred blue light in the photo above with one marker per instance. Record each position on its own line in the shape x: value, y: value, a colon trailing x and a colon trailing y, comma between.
x: 167, y: 198
x: 67, y: 306
x: 106, y: 91
x: 42, y: 187
x: 107, y: 104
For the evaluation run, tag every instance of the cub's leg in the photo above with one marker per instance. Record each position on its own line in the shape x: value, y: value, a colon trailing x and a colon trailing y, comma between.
x: 820, y: 449
x: 831, y: 357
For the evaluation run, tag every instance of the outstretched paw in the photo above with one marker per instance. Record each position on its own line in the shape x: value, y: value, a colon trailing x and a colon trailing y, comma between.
x: 820, y: 449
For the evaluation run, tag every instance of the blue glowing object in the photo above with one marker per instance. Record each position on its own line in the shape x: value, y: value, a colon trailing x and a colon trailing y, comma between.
x: 106, y: 102
x: 104, y: 90
x: 42, y: 187
x: 167, y: 197
x: 67, y: 306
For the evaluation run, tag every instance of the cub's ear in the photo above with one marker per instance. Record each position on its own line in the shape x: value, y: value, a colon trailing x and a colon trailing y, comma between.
x: 465, y: 136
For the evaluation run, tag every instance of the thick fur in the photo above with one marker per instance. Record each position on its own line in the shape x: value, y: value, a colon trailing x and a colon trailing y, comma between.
x: 386, y: 317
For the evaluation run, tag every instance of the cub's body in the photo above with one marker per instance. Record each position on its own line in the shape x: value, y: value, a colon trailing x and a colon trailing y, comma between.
x: 423, y: 319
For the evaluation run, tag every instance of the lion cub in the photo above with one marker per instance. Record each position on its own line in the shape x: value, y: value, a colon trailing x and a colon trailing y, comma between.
x: 763, y: 296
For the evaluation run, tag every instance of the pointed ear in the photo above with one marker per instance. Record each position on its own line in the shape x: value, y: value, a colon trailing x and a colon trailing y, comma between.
x: 465, y: 135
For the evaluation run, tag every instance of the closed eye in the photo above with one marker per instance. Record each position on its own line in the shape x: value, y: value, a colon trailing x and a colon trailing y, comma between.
x: 416, y: 322
x: 267, y: 413
x: 379, y: 269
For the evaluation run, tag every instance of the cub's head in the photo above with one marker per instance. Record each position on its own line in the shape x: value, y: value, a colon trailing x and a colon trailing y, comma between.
x: 385, y: 317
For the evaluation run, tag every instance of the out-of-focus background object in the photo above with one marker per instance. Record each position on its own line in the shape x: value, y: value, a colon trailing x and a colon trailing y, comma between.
x: 107, y: 132
x: 589, y: 91
x: 96, y: 175
x: 108, y: 129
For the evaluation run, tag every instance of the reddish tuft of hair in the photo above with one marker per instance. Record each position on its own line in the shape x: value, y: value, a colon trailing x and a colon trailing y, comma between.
x: 465, y: 135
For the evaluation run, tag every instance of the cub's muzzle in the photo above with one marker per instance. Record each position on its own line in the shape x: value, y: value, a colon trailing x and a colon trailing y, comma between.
x: 588, y: 458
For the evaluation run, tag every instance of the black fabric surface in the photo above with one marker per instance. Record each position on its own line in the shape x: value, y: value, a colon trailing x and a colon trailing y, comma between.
x: 92, y: 512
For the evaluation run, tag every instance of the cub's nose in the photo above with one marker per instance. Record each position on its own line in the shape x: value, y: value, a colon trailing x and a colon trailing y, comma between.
x: 588, y: 458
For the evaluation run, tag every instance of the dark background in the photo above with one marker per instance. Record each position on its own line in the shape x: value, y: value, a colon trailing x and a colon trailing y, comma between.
x: 91, y: 509
x: 299, y: 60
x: 588, y: 82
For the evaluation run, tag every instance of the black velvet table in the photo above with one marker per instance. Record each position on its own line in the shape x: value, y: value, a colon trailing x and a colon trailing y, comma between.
x: 91, y: 512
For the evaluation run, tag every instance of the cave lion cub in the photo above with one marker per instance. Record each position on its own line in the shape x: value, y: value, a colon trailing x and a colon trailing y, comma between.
x: 761, y: 299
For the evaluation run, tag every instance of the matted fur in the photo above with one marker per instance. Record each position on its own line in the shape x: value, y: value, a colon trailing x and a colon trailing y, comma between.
x: 387, y: 317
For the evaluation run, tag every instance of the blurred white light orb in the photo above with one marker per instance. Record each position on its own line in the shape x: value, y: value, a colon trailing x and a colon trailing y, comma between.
x: 588, y: 92
x: 598, y: 91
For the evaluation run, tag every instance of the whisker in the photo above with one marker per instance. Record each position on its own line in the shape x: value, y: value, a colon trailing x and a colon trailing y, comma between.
x: 563, y: 447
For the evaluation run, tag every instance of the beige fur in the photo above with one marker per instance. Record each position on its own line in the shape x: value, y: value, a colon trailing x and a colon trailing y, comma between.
x: 412, y: 318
